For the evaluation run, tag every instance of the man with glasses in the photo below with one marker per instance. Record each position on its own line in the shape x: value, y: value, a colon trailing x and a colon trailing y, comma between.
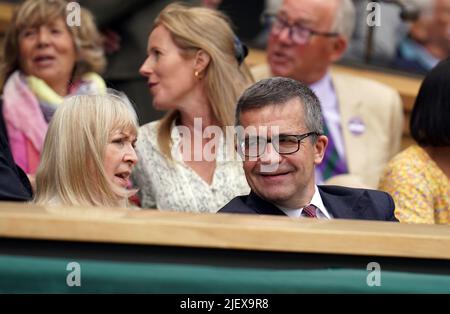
x: 363, y: 119
x: 280, y: 138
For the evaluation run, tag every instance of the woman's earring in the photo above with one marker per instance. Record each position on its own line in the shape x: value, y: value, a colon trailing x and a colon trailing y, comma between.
x: 197, y: 74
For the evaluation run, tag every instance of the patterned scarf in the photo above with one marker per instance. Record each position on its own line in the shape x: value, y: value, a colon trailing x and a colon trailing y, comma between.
x: 28, y: 105
x: 49, y: 100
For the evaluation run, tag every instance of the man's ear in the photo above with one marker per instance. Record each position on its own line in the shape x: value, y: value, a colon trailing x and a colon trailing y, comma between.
x: 202, y: 60
x: 319, y: 149
x: 420, y: 31
x: 339, y: 46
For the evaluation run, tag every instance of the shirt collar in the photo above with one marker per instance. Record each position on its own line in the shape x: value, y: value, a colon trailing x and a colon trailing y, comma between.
x: 316, y: 200
x: 324, y: 90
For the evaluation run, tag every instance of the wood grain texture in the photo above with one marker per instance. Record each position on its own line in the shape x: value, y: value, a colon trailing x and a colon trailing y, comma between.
x: 227, y: 231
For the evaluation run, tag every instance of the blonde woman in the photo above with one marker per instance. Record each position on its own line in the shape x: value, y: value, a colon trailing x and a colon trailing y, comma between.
x: 44, y: 61
x: 88, y: 153
x: 195, y: 70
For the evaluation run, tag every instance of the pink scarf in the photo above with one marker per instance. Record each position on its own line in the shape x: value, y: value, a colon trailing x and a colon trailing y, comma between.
x: 25, y: 122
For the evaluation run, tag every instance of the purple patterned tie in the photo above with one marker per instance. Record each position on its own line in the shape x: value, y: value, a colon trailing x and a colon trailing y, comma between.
x: 309, y: 211
x: 332, y: 164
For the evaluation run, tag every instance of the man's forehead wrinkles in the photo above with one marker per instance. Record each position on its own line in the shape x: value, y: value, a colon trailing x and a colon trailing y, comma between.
x: 305, y: 19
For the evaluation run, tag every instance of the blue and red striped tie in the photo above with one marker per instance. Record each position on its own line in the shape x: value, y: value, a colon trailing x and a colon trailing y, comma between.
x: 309, y: 211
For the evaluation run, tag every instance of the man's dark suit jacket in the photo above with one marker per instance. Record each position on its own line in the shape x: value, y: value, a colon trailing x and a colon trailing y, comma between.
x: 340, y: 202
x: 14, y: 184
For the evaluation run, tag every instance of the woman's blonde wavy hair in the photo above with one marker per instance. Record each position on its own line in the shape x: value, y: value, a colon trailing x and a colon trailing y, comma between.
x: 71, y: 171
x: 34, y: 13
x: 195, y: 28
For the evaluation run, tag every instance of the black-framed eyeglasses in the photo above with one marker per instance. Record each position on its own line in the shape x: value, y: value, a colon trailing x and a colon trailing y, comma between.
x: 284, y: 144
x: 298, y: 33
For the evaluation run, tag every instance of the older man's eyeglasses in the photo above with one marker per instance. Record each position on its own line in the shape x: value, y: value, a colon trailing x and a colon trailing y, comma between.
x: 298, y: 33
x: 255, y: 146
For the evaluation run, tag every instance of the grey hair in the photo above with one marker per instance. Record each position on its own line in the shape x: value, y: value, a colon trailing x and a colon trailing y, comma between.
x: 344, y: 20
x: 425, y: 7
x: 278, y: 91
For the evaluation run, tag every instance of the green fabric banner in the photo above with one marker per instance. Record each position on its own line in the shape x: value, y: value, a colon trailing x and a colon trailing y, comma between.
x: 23, y: 274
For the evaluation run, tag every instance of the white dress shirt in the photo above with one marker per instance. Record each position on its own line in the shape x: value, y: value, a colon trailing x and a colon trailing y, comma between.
x: 321, y: 211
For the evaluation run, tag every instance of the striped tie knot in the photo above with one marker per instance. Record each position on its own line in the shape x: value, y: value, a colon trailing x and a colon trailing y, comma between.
x: 309, y: 211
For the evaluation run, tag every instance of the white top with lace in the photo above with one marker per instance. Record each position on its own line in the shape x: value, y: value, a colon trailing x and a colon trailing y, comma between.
x: 172, y: 185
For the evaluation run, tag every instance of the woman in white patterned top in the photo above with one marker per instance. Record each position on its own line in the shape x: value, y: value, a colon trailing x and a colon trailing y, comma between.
x: 195, y: 70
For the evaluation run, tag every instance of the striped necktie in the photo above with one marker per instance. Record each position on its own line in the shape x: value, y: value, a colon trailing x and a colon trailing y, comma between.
x: 332, y: 164
x: 310, y: 211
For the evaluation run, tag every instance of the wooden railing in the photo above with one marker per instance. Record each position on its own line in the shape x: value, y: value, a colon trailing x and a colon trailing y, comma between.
x: 225, y: 231
x: 6, y: 12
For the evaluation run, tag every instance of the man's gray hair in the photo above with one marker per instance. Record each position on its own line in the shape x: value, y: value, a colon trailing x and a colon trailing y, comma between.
x: 278, y: 91
x: 344, y: 20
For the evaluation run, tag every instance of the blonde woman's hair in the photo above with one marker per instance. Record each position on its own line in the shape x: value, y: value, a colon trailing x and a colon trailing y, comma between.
x: 71, y: 171
x: 195, y: 28
x: 35, y: 13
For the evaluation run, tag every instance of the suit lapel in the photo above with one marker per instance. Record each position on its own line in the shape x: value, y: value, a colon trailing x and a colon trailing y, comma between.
x: 344, y: 206
x: 339, y: 203
x: 261, y: 206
